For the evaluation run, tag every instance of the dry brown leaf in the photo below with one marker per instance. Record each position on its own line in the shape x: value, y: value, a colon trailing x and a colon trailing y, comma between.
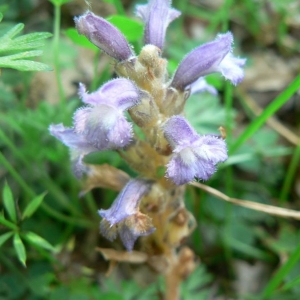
x: 104, y: 176
x: 134, y: 257
x: 269, y: 209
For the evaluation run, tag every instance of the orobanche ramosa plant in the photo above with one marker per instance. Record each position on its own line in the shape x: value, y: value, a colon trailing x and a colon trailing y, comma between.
x: 151, y: 207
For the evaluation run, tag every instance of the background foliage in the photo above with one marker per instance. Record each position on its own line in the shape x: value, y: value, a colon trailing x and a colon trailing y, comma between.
x: 48, y: 234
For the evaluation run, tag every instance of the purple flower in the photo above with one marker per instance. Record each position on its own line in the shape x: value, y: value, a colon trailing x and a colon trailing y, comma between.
x: 102, y: 122
x: 127, y: 202
x: 123, y: 216
x: 78, y: 144
x: 200, y: 85
x: 193, y: 155
x: 157, y: 15
x: 101, y: 125
x: 209, y: 58
x: 104, y: 35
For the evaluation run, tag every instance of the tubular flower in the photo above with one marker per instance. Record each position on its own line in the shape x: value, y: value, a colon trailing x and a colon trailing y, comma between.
x: 209, y: 58
x: 103, y: 122
x: 101, y: 125
x: 193, y: 155
x: 157, y: 15
x: 104, y: 35
x: 124, y: 216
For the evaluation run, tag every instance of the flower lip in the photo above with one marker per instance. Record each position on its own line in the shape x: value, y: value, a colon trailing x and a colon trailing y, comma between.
x: 127, y: 202
x: 193, y: 155
x: 104, y: 35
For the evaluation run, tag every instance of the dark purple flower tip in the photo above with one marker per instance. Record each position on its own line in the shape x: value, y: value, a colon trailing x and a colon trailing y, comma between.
x: 157, y: 15
x: 127, y: 202
x: 103, y: 122
x: 193, y: 155
x: 209, y: 58
x: 104, y: 35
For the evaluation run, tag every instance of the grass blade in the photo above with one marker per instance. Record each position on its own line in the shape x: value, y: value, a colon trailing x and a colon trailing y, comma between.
x: 20, y: 249
x: 268, y: 112
x: 9, y: 203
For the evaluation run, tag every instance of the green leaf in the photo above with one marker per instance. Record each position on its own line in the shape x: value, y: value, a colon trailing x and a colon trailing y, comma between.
x: 7, y: 223
x: 33, y: 206
x: 281, y: 273
x: 36, y: 240
x: 9, y: 203
x: 4, y: 237
x: 78, y: 39
x: 25, y: 65
x: 26, y: 46
x: 11, y: 33
x: 133, y: 30
x: 20, y: 249
x: 269, y: 111
x: 26, y: 42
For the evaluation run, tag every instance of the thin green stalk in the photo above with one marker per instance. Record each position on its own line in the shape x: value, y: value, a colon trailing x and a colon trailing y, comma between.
x: 16, y: 176
x: 119, y: 7
x: 290, y: 175
x: 91, y: 203
x: 96, y: 65
x: 31, y: 194
x: 56, y: 30
x: 281, y: 274
x: 45, y: 179
x: 225, y: 15
x: 280, y: 100
x: 229, y: 173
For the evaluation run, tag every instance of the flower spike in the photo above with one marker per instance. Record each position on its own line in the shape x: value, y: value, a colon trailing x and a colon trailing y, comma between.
x: 193, y: 155
x: 157, y: 15
x: 209, y: 58
x: 104, y: 35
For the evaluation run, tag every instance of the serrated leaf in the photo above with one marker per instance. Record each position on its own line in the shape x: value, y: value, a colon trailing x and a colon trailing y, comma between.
x: 9, y: 203
x: 25, y: 65
x: 37, y: 240
x: 4, y: 237
x: 133, y: 30
x: 33, y: 206
x: 20, y: 249
x: 11, y: 33
x: 24, y: 54
x: 25, y: 42
x: 80, y: 40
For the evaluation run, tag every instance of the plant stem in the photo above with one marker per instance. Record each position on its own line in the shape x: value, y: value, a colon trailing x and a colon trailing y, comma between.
x: 56, y: 30
x: 290, y: 175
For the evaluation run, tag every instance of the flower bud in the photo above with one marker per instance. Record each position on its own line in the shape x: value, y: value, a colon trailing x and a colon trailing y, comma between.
x: 104, y: 35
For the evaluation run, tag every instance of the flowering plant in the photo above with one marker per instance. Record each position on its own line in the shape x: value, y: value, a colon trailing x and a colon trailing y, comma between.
x: 150, y: 207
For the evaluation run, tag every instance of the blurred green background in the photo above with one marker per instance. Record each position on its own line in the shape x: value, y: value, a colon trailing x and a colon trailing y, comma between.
x: 48, y: 234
